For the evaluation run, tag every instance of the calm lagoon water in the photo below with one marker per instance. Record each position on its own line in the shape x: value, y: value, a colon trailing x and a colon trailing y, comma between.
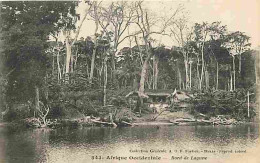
x: 130, y: 144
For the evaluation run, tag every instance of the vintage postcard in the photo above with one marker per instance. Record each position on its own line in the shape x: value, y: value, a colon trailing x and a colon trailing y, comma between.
x: 129, y: 81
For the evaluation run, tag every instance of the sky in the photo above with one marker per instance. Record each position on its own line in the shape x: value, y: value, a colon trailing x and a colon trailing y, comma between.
x: 242, y: 15
x: 238, y: 15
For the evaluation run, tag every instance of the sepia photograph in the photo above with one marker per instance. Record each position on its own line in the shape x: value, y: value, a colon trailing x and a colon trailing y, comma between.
x: 127, y: 81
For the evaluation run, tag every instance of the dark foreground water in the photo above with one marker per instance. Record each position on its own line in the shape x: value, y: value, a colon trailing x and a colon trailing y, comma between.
x: 136, y: 144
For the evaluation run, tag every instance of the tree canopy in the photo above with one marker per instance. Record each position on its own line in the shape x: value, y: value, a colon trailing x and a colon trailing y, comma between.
x: 44, y: 56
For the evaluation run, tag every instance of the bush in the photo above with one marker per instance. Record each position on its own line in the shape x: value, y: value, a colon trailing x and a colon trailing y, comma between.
x: 18, y: 111
x: 222, y: 102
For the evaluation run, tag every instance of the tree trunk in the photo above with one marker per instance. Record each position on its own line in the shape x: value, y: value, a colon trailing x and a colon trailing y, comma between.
x: 202, y: 61
x: 99, y: 72
x: 228, y: 84
x: 155, y: 72
x: 140, y: 51
x: 207, y: 78
x: 257, y: 62
x: 64, y: 66
x: 202, y: 70
x: 76, y: 58
x: 68, y: 58
x: 190, y: 74
x: 53, y: 61
x: 153, y: 78
x: 217, y: 78
x: 95, y: 44
x: 248, y: 105
x: 231, y: 81
x: 240, y: 63
x: 198, y: 73
x: 186, y: 73
x: 58, y: 66
x: 234, y: 73
x: 156, y: 75
x: 144, y: 73
x: 37, y: 100
x: 113, y: 62
x: 105, y: 81
x: 93, y: 60
x: 179, y: 76
x: 149, y: 81
x: 71, y: 63
x: 115, y: 50
x: 135, y: 84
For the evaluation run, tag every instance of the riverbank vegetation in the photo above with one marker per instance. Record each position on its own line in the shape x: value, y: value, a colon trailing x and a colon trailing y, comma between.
x: 53, y: 73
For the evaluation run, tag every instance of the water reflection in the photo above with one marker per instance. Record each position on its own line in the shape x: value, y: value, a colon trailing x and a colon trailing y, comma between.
x: 78, y: 145
x: 28, y: 146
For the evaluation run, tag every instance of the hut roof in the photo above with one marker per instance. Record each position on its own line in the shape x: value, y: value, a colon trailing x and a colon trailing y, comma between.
x: 137, y: 93
x: 159, y: 92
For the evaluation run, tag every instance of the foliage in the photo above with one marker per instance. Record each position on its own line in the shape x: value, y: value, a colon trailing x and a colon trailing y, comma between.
x: 26, y: 28
x: 209, y: 61
x: 213, y: 103
x: 19, y: 111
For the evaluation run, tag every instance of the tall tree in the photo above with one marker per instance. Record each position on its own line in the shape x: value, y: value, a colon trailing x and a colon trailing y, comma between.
x: 205, y: 33
x: 236, y: 44
x: 118, y: 15
x: 182, y: 34
x: 68, y: 24
x: 146, y: 24
x: 26, y: 27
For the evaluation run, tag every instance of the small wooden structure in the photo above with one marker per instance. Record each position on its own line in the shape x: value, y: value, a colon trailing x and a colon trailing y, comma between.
x: 153, y: 96
x: 160, y: 99
x: 158, y: 96
x: 155, y: 99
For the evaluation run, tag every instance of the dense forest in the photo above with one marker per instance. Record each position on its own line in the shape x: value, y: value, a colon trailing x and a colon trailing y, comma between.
x: 50, y: 71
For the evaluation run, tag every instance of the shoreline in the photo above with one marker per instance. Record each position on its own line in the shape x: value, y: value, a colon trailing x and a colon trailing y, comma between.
x: 158, y: 123
x: 153, y: 124
x: 148, y: 123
